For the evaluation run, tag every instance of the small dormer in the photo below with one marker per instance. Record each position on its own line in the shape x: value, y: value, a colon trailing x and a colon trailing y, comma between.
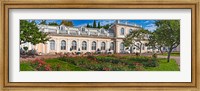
x: 83, y: 29
x: 102, y: 30
x: 62, y: 27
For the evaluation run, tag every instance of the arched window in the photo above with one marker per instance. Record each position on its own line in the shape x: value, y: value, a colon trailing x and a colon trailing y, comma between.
x: 84, y: 45
x: 112, y: 46
x: 63, y: 45
x: 94, y: 44
x: 74, y: 45
x: 122, y: 31
x: 121, y: 46
x: 52, y: 45
x: 103, y: 46
x: 130, y: 31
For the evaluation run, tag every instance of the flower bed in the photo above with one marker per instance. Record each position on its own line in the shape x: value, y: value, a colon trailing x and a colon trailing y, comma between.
x: 92, y: 63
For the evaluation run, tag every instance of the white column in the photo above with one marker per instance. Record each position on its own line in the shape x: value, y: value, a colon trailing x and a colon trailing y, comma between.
x: 98, y: 44
x: 89, y: 46
x: 68, y: 45
x: 117, y: 46
x: 57, y: 45
x: 78, y: 44
x: 107, y: 45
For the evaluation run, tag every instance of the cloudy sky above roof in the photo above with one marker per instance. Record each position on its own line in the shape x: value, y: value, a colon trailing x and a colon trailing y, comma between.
x: 146, y: 24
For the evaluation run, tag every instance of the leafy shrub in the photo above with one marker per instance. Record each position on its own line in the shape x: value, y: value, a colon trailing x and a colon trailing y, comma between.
x: 110, y: 63
x: 154, y: 55
x: 108, y: 59
x: 40, y: 65
x: 146, y: 61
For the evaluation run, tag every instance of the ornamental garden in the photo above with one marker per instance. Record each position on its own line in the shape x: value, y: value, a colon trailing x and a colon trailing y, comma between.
x: 162, y: 42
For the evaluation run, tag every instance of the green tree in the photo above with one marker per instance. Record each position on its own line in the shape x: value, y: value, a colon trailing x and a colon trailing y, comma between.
x: 99, y: 26
x: 152, y: 41
x: 88, y: 25
x: 29, y: 32
x: 156, y: 41
x: 67, y: 23
x: 168, y: 31
x: 43, y: 22
x: 135, y: 38
x: 94, y: 24
x: 106, y: 26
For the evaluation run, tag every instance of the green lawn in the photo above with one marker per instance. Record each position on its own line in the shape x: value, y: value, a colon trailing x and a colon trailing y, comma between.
x: 164, y: 66
x: 25, y: 66
x: 64, y: 66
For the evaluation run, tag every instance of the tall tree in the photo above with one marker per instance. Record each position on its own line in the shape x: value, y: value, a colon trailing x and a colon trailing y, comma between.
x: 156, y: 41
x: 94, y: 24
x: 67, y: 23
x: 99, y: 26
x: 88, y: 25
x: 135, y: 38
x: 29, y: 32
x: 152, y: 41
x: 169, y: 32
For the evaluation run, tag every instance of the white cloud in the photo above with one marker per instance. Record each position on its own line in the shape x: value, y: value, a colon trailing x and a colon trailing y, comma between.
x: 150, y: 27
x: 84, y: 24
x: 146, y: 21
x: 104, y: 22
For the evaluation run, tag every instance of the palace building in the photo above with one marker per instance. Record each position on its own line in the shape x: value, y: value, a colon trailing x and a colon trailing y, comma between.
x: 73, y: 39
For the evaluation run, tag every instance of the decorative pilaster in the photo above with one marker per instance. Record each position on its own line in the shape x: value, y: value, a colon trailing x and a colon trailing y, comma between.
x: 68, y: 45
x: 57, y: 45
x: 107, y: 45
x: 117, y: 47
x: 98, y: 45
x: 78, y: 45
x: 89, y: 45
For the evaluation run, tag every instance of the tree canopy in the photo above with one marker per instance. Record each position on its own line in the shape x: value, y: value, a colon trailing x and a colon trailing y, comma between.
x: 94, y: 24
x: 135, y: 38
x: 168, y: 32
x: 89, y: 26
x: 29, y: 32
x: 156, y: 41
x: 99, y: 26
x: 67, y: 23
